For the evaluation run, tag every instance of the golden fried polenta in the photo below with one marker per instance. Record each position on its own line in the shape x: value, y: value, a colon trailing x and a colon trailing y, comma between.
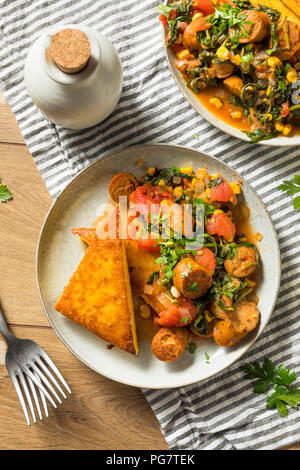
x: 98, y: 295
x: 141, y: 264
x: 279, y: 5
x: 87, y: 235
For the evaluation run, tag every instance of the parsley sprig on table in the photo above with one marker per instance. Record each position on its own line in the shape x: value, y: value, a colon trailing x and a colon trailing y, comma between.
x: 5, y: 194
x: 280, y: 378
x: 291, y: 189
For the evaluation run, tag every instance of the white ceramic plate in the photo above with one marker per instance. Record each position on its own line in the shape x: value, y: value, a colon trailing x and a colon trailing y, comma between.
x: 279, y: 141
x: 59, y: 253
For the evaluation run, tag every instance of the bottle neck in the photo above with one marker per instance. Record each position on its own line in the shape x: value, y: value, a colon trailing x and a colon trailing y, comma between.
x: 55, y: 73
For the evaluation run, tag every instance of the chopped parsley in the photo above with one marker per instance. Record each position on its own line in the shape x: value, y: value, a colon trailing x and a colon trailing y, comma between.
x: 292, y: 188
x: 191, y: 347
x: 193, y: 287
x: 281, y: 379
x: 5, y: 194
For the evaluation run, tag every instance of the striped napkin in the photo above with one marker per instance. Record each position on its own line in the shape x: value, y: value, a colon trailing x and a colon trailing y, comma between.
x: 223, y: 412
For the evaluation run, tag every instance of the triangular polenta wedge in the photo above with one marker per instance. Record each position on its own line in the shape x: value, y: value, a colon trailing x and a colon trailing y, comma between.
x: 98, y: 295
x: 279, y: 5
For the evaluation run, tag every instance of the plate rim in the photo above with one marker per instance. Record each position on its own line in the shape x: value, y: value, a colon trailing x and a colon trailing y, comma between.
x: 138, y: 148
x: 229, y: 129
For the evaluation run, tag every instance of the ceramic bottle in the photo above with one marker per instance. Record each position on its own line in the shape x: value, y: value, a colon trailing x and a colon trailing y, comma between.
x: 72, y: 96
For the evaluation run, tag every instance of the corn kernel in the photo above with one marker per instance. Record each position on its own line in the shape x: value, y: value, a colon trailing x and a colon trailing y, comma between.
x: 186, y: 169
x: 269, y: 116
x: 194, y: 182
x: 236, y: 60
x: 218, y: 211
x: 235, y: 188
x: 287, y: 129
x: 145, y: 311
x: 292, y: 76
x: 236, y: 114
x: 151, y: 171
x: 208, y: 316
x: 161, y: 183
x: 216, y: 102
x: 179, y: 39
x: 223, y: 53
x: 196, y: 16
x: 279, y: 126
x: 259, y: 236
x: 185, y: 55
x: 273, y: 61
x: 208, y: 193
x: 178, y: 191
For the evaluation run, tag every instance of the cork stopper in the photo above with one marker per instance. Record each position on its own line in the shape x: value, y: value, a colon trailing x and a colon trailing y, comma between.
x: 70, y: 49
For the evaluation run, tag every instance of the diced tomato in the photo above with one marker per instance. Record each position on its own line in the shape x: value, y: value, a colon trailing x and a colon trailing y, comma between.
x: 148, y: 244
x: 206, y: 259
x: 221, y: 225
x: 172, y: 15
x: 148, y: 198
x: 222, y: 192
x: 205, y: 6
x: 181, y: 313
x: 186, y: 183
x: 163, y: 19
x: 176, y: 48
x: 285, y: 109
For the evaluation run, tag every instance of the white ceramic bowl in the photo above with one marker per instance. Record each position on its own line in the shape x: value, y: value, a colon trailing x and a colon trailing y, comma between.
x: 279, y: 141
x: 59, y: 253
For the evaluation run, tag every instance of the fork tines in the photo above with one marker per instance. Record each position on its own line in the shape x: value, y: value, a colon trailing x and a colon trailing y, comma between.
x: 35, y: 377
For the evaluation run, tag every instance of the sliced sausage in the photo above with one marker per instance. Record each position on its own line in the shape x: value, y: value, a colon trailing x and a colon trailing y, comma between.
x: 169, y: 343
x: 245, y: 317
x: 259, y: 27
x: 221, y: 70
x: 225, y: 334
x: 122, y: 184
x: 218, y: 311
x: 189, y: 36
x: 234, y: 84
x: 191, y: 279
x: 243, y: 264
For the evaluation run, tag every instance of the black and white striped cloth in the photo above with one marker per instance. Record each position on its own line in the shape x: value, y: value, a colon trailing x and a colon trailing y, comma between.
x: 221, y: 413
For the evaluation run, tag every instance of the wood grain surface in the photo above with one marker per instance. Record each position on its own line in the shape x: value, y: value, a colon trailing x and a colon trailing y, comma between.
x: 100, y: 413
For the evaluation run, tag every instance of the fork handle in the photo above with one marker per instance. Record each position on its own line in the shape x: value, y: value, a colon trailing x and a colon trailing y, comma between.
x: 4, y: 328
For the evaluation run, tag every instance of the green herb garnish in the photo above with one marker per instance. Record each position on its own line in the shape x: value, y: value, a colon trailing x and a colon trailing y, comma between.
x: 5, y: 194
x: 193, y: 287
x: 191, y: 347
x: 280, y: 378
x: 292, y: 188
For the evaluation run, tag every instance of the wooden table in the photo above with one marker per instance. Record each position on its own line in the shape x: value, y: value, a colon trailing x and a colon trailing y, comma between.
x: 100, y: 414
